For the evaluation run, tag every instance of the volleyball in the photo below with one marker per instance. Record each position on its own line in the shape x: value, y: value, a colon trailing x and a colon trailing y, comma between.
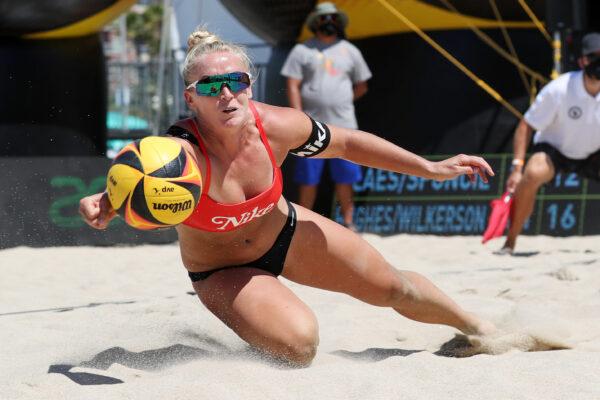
x: 154, y: 183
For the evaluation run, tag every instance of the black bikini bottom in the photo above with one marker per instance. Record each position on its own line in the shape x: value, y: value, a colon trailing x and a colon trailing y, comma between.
x: 272, y: 261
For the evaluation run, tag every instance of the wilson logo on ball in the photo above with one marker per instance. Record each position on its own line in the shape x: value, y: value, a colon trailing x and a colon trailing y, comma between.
x: 173, y: 207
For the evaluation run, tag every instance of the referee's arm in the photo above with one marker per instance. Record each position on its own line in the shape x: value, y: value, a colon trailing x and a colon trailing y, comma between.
x: 521, y: 141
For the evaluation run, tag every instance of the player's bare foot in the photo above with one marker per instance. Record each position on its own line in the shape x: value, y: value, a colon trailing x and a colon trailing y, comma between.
x: 480, y: 327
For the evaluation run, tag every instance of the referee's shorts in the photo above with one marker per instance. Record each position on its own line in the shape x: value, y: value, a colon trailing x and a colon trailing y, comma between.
x: 588, y: 167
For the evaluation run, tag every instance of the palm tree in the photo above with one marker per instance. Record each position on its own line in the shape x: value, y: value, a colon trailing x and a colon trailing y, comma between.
x: 144, y: 29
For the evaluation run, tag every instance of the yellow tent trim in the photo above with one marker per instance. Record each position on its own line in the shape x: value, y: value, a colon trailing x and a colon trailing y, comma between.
x: 369, y: 18
x: 535, y: 20
x: 402, y: 18
x: 88, y: 25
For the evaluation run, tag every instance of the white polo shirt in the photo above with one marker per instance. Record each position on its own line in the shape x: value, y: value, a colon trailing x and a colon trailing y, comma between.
x: 566, y: 116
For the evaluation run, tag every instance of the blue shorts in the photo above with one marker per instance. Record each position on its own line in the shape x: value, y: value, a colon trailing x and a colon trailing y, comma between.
x: 308, y: 171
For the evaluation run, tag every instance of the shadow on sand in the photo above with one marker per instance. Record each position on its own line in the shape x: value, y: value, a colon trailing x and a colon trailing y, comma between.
x: 156, y: 359
x: 149, y: 360
x: 82, y: 378
x: 374, y: 354
x: 525, y: 253
x: 455, y: 347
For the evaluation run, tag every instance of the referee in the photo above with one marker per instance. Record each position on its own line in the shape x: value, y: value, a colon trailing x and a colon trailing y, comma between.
x: 566, y: 118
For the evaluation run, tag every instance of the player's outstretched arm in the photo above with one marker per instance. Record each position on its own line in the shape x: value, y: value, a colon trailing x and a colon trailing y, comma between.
x: 96, y: 210
x: 370, y: 150
x: 308, y: 138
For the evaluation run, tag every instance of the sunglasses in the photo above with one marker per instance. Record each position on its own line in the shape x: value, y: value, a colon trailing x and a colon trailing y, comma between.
x: 212, y: 85
x: 328, y: 18
x: 593, y: 57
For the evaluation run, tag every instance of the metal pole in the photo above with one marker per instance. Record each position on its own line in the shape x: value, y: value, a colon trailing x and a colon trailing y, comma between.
x: 125, y: 90
x: 177, y: 58
x: 164, y: 42
x: 557, y: 47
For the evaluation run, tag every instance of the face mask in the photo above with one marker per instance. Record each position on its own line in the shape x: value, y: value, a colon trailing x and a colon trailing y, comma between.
x: 593, y: 69
x: 328, y: 29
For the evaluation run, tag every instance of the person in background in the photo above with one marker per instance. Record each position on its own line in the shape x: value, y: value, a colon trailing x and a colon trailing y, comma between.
x: 566, y: 116
x: 325, y: 75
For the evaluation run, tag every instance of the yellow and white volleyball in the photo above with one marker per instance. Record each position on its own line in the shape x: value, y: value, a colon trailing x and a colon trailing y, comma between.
x: 154, y: 183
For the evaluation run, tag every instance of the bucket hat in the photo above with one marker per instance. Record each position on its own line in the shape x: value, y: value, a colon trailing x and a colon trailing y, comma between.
x: 325, y: 8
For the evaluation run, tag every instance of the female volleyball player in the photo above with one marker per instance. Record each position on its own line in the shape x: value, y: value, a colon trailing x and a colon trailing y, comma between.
x: 243, y: 233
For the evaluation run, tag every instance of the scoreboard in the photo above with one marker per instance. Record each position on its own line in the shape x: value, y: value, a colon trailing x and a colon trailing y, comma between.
x: 388, y: 203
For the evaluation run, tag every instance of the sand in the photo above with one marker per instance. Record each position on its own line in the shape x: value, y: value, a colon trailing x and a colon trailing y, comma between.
x: 119, y: 323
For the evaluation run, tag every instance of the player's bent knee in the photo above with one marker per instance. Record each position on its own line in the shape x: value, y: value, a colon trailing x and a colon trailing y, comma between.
x: 301, y: 355
x: 401, y: 291
x: 302, y: 345
x: 390, y: 291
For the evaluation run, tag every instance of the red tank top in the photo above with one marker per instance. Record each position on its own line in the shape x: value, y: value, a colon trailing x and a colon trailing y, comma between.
x: 213, y: 216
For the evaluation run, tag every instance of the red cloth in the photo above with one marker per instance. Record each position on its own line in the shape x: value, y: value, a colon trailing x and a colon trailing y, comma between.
x: 498, y: 217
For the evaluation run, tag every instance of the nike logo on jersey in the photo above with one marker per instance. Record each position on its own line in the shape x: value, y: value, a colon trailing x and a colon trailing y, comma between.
x: 224, y: 222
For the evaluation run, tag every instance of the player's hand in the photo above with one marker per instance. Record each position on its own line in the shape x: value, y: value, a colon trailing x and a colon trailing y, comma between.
x: 96, y: 210
x: 513, y: 180
x: 462, y: 165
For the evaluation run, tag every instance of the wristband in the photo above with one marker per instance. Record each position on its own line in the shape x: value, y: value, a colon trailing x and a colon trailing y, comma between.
x: 518, y: 162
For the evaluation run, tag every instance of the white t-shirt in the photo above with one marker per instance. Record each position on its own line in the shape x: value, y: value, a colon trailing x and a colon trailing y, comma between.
x: 566, y: 116
x: 328, y: 73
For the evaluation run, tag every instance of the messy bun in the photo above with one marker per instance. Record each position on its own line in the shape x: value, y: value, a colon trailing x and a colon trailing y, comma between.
x: 201, y: 37
x: 202, y: 42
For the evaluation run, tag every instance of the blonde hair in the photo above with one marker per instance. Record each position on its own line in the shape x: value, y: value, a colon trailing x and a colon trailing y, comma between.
x: 202, y: 42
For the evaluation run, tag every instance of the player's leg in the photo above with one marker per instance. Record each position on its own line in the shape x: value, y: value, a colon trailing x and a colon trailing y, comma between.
x: 262, y: 311
x: 538, y: 171
x: 326, y: 255
x: 344, y: 174
x: 307, y: 175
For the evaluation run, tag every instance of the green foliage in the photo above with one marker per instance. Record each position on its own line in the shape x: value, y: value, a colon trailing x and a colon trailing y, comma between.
x: 144, y: 28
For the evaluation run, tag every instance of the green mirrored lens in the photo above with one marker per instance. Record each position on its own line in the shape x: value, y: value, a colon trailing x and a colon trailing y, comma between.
x: 211, y: 85
x: 208, y: 89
